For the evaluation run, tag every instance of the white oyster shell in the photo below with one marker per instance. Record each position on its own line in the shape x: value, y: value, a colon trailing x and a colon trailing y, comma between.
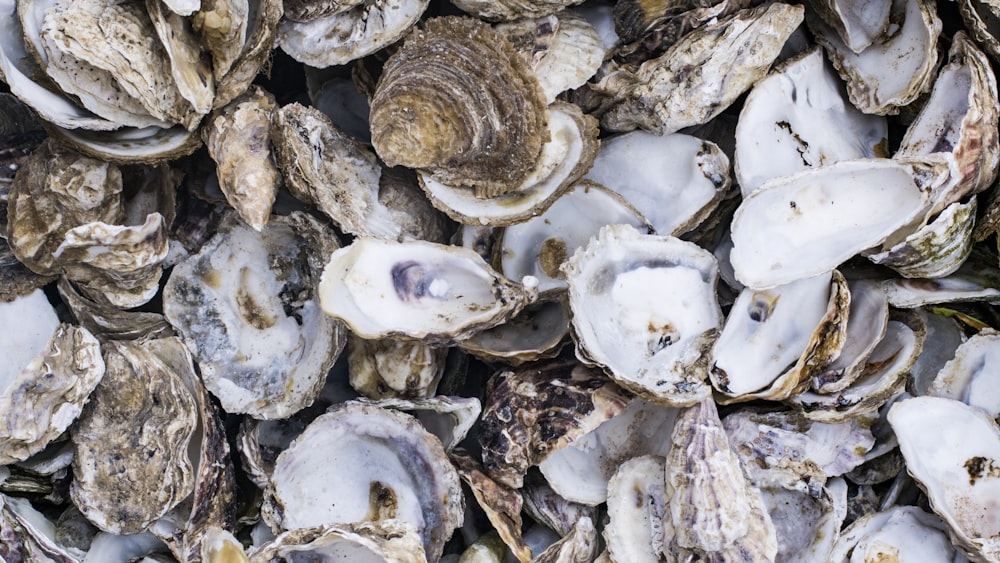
x: 951, y: 449
x: 901, y: 533
x: 652, y: 343
x: 674, y: 194
x: 377, y: 465
x: 418, y: 290
x: 797, y: 118
x: 807, y: 523
x: 636, y: 507
x: 968, y: 377
x: 842, y: 208
x: 897, y: 67
x: 388, y: 541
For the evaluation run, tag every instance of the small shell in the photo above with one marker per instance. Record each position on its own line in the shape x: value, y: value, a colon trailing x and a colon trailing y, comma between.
x: 391, y: 368
x: 507, y: 10
x: 501, y: 504
x: 238, y: 138
x: 388, y: 541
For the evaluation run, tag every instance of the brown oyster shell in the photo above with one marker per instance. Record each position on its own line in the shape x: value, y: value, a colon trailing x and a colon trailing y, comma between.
x: 131, y: 462
x: 394, y: 368
x: 254, y: 44
x: 111, y: 323
x: 535, y: 410
x: 56, y: 190
x: 457, y: 101
x: 391, y: 541
x: 238, y: 138
x: 501, y: 504
x: 189, y: 67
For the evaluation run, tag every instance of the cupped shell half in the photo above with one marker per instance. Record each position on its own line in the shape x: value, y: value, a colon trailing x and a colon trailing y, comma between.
x: 361, y: 463
x: 651, y: 343
x: 417, y: 290
x: 246, y: 307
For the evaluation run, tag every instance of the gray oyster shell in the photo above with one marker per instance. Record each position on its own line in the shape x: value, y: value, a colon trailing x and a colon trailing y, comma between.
x: 246, y: 308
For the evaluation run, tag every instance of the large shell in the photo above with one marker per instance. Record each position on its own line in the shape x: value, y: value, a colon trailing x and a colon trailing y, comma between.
x: 131, y: 464
x: 459, y: 102
x: 388, y: 541
x: 362, y: 463
x: 246, y: 308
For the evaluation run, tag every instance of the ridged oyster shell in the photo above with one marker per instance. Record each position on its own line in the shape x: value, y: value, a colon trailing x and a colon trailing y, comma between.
x: 476, y: 120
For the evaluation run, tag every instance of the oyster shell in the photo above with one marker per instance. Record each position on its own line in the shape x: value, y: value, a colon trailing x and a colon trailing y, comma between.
x: 966, y: 376
x: 565, y: 157
x: 775, y: 341
x: 506, y: 10
x: 501, y: 504
x: 391, y: 541
x: 131, y: 464
x: 390, y: 368
x: 858, y: 23
x: 246, y: 308
x: 563, y: 49
x: 353, y: 30
x: 797, y: 118
x: 538, y: 332
x: 904, y: 533
x: 807, y: 523
x: 238, y: 138
x: 417, y: 290
x: 476, y: 120
x: 895, y: 69
x: 957, y: 470
x: 408, y: 476
x: 935, y: 250
x: 653, y: 346
x: 674, y: 194
x: 51, y: 366
x: 533, y: 411
x: 636, y: 507
x: 866, y: 324
x: 663, y: 95
x: 842, y: 208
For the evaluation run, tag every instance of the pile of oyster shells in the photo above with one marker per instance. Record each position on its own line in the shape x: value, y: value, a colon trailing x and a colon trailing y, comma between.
x: 499, y: 280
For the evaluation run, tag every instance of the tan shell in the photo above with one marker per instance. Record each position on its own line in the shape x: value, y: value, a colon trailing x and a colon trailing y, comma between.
x: 115, y: 264
x: 507, y: 10
x: 664, y: 94
x: 501, y: 504
x: 131, y: 464
x: 222, y: 27
x: 391, y: 368
x: 55, y: 383
x: 250, y: 55
x: 457, y: 101
x: 110, y: 42
x: 325, y: 167
x: 111, y: 323
x: 56, y: 190
x: 238, y: 138
x: 190, y: 68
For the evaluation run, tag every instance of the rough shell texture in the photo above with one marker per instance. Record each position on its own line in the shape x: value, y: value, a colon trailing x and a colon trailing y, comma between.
x: 666, y: 95
x: 459, y: 102
x: 56, y: 383
x: 513, y: 9
x: 238, y: 138
x: 501, y: 504
x: 131, y: 444
x: 532, y: 411
x: 245, y: 289
x: 56, y: 190
x: 390, y: 541
x: 390, y: 368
